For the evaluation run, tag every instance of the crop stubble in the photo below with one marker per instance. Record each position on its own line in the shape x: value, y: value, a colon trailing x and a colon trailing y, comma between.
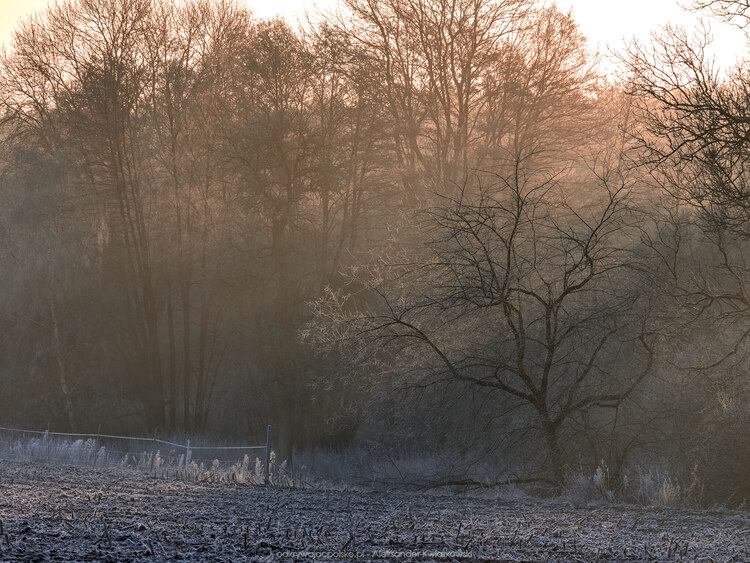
x: 52, y: 513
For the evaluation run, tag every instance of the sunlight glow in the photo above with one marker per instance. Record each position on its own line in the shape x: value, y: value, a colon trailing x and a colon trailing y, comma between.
x: 609, y: 25
x: 606, y: 24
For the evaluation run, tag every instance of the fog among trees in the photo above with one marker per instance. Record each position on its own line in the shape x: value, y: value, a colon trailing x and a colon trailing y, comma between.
x: 421, y: 226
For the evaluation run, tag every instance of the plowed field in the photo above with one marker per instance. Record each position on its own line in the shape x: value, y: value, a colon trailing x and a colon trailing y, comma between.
x: 71, y: 514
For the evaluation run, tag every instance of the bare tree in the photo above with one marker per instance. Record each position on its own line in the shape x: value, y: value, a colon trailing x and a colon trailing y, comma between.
x: 82, y: 69
x: 193, y: 53
x: 729, y: 10
x: 428, y: 58
x: 520, y: 293
x: 130, y: 92
x: 692, y: 125
x: 349, y: 165
x: 693, y: 129
x: 537, y: 103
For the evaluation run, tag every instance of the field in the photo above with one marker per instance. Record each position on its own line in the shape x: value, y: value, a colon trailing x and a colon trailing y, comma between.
x: 50, y: 513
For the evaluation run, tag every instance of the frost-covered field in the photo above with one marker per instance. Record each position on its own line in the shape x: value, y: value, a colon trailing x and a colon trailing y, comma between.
x: 74, y: 514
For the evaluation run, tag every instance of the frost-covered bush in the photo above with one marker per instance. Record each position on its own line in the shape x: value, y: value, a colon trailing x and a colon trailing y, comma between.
x: 654, y: 487
x: 156, y: 458
x: 581, y: 487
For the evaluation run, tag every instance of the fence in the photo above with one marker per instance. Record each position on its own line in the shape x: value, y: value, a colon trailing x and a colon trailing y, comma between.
x: 161, y: 457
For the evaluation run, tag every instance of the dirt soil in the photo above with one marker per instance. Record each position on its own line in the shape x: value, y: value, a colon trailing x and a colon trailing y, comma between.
x: 73, y: 514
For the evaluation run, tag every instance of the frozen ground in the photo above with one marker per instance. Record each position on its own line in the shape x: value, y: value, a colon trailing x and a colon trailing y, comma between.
x: 71, y: 514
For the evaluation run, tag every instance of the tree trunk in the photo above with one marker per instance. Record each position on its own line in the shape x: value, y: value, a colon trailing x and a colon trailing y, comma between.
x: 172, y: 368
x: 186, y: 376
x: 62, y: 376
x: 549, y: 429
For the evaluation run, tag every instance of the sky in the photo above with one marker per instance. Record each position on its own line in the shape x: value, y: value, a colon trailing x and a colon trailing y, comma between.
x: 606, y: 23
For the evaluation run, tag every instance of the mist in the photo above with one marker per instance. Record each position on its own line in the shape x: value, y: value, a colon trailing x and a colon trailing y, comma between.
x: 431, y: 240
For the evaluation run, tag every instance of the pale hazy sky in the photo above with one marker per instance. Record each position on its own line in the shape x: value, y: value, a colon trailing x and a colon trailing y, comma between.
x: 605, y: 22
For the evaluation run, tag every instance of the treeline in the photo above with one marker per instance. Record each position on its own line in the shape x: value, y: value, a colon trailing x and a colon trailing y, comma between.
x: 416, y: 224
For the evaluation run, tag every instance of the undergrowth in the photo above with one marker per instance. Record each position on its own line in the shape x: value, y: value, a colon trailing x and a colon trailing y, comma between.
x: 355, y: 467
x: 159, y: 460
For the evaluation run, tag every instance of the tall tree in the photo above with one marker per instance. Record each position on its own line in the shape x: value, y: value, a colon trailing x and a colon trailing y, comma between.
x: 193, y: 55
x: 429, y: 57
x: 539, y: 104
x: 520, y: 292
x: 81, y: 67
x: 692, y: 126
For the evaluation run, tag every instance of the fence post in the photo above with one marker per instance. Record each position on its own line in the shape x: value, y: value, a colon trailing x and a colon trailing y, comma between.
x: 267, y: 479
x: 187, y: 459
x: 96, y: 446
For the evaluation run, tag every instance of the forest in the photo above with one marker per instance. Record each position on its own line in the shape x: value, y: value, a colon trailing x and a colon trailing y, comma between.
x: 433, y: 229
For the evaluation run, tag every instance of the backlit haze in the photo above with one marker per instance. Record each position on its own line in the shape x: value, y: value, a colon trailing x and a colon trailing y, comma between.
x: 607, y: 24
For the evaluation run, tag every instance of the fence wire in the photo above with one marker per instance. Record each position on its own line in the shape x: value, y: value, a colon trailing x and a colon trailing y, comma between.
x: 160, y: 458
